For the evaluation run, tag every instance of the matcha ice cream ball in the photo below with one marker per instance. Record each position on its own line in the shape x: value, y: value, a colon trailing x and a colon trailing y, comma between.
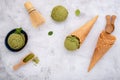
x: 71, y: 43
x: 16, y: 41
x: 59, y: 13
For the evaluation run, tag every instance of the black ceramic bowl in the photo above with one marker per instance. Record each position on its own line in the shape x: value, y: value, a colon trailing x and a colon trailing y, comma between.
x: 6, y: 40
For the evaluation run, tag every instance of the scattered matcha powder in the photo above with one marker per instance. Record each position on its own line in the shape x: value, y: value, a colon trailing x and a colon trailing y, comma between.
x: 50, y: 33
x: 36, y: 60
x: 77, y: 12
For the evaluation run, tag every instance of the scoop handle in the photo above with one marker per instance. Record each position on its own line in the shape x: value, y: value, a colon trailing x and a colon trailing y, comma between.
x: 113, y: 19
x: 108, y: 20
x: 17, y: 66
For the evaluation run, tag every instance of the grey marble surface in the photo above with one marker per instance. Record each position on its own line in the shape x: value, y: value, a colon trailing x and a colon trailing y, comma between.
x: 56, y: 63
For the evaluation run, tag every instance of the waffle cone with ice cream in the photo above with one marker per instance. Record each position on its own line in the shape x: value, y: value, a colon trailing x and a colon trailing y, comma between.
x: 75, y: 39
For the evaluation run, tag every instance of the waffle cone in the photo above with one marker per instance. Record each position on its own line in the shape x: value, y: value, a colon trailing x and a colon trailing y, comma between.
x: 83, y: 31
x: 105, y: 42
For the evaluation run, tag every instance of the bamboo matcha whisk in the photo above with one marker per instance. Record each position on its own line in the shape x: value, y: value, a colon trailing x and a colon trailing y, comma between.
x: 36, y: 18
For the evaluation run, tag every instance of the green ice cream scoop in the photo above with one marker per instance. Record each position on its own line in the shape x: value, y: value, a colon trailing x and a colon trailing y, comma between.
x: 59, y: 13
x: 16, y: 41
x: 71, y: 43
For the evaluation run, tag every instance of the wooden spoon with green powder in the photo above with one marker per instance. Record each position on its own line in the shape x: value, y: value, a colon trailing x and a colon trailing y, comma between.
x: 25, y: 60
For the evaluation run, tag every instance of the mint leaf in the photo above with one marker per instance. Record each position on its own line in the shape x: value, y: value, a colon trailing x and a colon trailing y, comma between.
x: 18, y: 30
x: 50, y: 33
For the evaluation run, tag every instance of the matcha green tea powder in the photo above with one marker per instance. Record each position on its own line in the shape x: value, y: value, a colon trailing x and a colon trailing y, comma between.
x: 50, y: 33
x: 16, y: 41
x: 77, y: 12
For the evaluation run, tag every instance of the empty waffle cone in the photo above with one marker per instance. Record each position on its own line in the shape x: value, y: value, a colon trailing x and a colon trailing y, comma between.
x: 83, y: 31
x: 105, y: 42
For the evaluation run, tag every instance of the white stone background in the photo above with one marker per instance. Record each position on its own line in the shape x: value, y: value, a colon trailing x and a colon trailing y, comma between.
x: 56, y: 63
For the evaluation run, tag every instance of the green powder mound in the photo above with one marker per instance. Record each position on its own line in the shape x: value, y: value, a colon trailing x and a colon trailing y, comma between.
x: 77, y: 12
x: 36, y: 60
x: 16, y: 41
x: 50, y: 33
x: 59, y: 13
x: 28, y: 57
x: 71, y: 43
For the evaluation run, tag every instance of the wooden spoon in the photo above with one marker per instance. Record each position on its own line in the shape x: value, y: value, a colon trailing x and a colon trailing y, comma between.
x: 113, y: 20
x: 109, y: 28
x: 25, y: 60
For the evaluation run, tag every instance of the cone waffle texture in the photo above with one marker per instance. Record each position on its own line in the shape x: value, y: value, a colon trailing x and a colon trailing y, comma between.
x: 83, y: 31
x: 105, y: 42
